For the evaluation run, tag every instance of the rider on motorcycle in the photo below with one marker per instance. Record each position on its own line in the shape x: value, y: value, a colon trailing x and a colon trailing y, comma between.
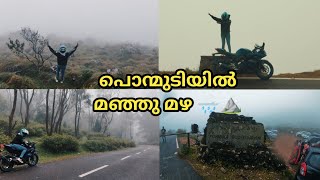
x: 19, y: 143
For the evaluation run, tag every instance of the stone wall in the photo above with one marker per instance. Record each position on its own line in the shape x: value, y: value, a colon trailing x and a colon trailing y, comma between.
x: 238, y: 130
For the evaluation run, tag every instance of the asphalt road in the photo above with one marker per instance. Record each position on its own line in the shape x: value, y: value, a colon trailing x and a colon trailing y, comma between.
x: 278, y: 83
x: 137, y: 163
x: 171, y: 166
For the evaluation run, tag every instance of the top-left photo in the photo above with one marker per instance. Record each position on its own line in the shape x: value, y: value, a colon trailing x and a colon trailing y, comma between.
x: 62, y: 44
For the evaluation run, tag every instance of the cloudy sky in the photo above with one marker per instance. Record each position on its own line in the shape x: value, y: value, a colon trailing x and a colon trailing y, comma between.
x: 290, y: 29
x: 112, y: 20
x: 294, y: 108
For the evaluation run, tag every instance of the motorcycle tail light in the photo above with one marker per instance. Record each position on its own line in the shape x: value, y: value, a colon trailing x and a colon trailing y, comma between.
x: 303, y: 169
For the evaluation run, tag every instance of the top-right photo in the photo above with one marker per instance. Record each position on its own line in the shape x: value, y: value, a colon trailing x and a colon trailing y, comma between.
x: 269, y: 44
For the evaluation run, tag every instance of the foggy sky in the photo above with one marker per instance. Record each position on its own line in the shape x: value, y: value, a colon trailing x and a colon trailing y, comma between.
x: 111, y: 20
x: 295, y: 108
x: 290, y: 29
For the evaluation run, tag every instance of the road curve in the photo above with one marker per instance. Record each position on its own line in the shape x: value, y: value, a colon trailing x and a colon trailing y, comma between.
x: 278, y: 83
x: 141, y: 162
x: 171, y: 166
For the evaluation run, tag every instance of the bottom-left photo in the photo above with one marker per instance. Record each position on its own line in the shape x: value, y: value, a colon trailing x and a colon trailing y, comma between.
x: 55, y: 134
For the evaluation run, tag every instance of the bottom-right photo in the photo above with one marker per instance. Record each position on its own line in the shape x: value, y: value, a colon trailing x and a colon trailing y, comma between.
x: 242, y: 134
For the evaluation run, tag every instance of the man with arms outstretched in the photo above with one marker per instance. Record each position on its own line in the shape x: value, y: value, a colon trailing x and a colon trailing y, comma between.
x: 62, y: 58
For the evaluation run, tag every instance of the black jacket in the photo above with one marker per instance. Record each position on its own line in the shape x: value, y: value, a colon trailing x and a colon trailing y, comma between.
x: 18, y: 140
x: 62, y: 60
x: 225, y: 24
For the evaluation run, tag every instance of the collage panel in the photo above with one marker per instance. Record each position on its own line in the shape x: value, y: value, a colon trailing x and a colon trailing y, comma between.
x: 242, y: 134
x: 262, y: 41
x: 70, y: 44
x: 54, y: 134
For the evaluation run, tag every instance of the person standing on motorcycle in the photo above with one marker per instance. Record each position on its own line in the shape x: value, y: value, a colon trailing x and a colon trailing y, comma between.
x: 225, y: 28
x: 62, y: 58
x: 19, y: 144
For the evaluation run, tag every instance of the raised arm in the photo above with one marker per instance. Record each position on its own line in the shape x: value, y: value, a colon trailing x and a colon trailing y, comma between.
x: 215, y: 18
x: 74, y: 50
x: 53, y: 51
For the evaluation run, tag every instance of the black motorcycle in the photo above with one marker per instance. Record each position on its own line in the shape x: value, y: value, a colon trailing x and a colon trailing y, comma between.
x: 8, y: 160
x: 244, y: 61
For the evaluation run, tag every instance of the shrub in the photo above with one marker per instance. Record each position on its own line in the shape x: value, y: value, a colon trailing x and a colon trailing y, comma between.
x: 60, y: 143
x: 37, y: 130
x: 4, y: 139
x: 185, y: 150
x: 67, y: 131
x: 96, y: 146
x: 5, y: 76
x: 86, y: 75
x: 3, y: 86
x: 20, y: 82
x: 94, y: 136
x: 3, y: 125
x: 100, y: 144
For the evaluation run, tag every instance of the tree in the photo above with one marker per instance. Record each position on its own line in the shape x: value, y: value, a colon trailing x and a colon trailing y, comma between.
x: 35, y: 52
x: 55, y: 115
x: 27, y: 98
x: 97, y: 126
x: 47, y: 112
x: 63, y: 108
x: 11, y: 125
x: 104, y: 119
x: 80, y: 96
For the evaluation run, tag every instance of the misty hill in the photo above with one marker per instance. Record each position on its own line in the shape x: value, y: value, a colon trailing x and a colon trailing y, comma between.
x: 92, y: 59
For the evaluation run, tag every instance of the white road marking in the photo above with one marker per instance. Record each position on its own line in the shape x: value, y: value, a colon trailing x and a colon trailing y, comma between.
x: 138, y: 152
x: 125, y: 158
x: 90, y: 172
x: 177, y: 143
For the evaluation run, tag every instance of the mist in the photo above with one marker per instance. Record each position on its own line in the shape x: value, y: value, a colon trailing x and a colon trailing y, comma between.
x: 273, y: 108
x: 105, y: 20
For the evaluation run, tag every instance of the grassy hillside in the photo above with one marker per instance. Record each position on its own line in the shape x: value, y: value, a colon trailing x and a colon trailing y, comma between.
x: 91, y: 60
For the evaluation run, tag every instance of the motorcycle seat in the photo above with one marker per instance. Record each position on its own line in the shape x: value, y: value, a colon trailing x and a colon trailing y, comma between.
x: 224, y: 52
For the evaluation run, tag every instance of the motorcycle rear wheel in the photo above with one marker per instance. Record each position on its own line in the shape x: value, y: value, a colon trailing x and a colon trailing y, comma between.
x: 7, y: 167
x: 265, y: 70
x: 33, y: 160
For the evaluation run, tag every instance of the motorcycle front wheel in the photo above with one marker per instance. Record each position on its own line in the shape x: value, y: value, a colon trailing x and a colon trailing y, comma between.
x: 265, y: 70
x: 5, y: 166
x: 33, y: 160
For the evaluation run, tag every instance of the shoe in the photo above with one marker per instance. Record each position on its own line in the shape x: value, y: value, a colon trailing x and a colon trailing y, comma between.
x: 19, y: 160
x: 61, y: 82
x: 56, y: 80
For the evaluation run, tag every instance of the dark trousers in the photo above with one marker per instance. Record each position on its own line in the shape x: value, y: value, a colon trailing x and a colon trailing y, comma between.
x: 60, y: 72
